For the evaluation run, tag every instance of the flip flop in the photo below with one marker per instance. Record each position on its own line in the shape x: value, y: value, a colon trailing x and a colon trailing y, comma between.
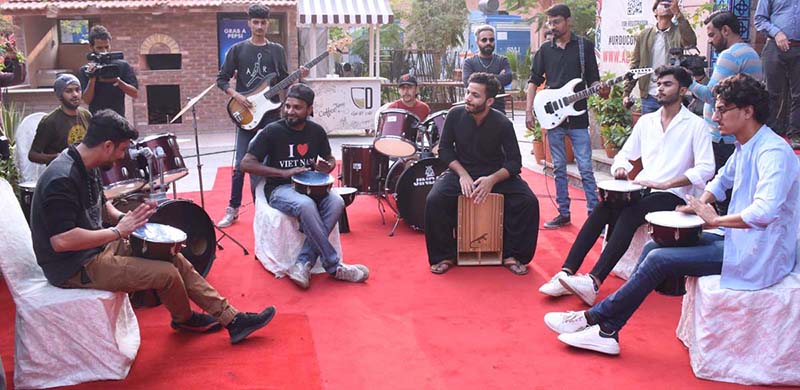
x: 516, y: 267
x: 442, y: 267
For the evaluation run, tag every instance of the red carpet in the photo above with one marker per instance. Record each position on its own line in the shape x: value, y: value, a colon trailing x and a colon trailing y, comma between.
x: 473, y: 328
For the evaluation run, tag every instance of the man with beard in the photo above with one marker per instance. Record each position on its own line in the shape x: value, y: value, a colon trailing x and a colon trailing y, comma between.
x: 75, y: 251
x: 675, y: 148
x: 408, y: 98
x: 735, y: 56
x: 481, y: 150
x: 287, y: 147
x: 62, y: 127
x: 488, y: 62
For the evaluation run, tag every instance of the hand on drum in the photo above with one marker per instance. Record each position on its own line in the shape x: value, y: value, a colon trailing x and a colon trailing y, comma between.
x: 650, y: 184
x: 482, y: 188
x: 621, y: 174
x: 288, y: 173
x: 323, y: 166
x: 467, y: 185
x: 136, y: 218
x: 703, y: 210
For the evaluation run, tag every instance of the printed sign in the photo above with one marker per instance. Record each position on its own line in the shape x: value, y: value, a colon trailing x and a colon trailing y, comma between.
x: 230, y: 30
x: 616, y: 34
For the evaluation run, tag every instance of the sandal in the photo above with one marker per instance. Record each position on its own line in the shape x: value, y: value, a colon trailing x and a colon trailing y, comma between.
x: 442, y: 267
x: 515, y: 267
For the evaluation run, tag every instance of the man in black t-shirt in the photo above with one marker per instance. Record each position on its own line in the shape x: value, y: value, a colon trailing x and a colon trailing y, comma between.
x: 101, y: 93
x: 75, y: 251
x: 63, y: 126
x: 287, y: 147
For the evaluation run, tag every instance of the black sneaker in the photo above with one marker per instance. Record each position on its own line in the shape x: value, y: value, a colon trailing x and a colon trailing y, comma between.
x: 557, y: 222
x: 198, y: 323
x: 245, y: 323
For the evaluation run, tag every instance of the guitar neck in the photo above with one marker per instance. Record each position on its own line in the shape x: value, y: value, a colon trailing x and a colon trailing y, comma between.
x: 294, y: 76
x: 591, y: 90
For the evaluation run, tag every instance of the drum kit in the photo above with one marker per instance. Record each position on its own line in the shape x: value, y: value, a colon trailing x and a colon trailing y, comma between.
x: 399, y: 167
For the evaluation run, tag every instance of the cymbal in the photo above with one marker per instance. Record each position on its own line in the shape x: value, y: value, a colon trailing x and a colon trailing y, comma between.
x: 192, y: 102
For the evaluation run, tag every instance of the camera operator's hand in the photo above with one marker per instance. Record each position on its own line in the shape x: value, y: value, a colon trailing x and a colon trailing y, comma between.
x: 674, y: 8
x: 90, y: 69
x: 628, y: 102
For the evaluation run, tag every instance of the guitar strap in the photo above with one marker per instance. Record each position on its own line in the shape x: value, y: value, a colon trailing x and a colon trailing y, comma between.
x: 582, y: 55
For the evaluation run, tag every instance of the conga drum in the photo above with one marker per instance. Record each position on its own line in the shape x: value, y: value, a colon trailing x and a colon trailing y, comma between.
x: 620, y: 193
x: 674, y: 229
x: 480, y: 231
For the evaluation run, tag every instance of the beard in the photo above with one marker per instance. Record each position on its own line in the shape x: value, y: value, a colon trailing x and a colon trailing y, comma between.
x: 487, y: 50
x: 476, y: 109
x: 722, y: 46
x: 66, y: 103
x: 295, y: 122
x: 666, y: 100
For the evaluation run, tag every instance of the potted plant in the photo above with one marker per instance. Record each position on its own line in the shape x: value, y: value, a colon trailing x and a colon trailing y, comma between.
x: 612, y: 117
x: 538, y: 144
x: 9, y: 120
x: 614, y: 137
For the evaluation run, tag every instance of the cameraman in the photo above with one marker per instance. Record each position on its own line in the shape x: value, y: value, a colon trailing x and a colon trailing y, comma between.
x: 101, y: 93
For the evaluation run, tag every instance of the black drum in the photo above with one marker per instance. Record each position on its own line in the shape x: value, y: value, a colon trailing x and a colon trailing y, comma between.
x: 674, y: 228
x: 347, y: 193
x: 673, y: 287
x: 396, y: 135
x: 125, y: 177
x: 620, y: 193
x: 157, y: 242
x: 433, y: 126
x: 314, y: 184
x: 408, y: 185
x: 363, y: 168
x: 26, y: 190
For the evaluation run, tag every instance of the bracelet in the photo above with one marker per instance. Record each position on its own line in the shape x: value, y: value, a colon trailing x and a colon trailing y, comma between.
x: 115, y: 230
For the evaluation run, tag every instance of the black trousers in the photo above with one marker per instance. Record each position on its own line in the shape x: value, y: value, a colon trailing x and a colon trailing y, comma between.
x: 622, y: 225
x: 721, y: 154
x: 520, y: 218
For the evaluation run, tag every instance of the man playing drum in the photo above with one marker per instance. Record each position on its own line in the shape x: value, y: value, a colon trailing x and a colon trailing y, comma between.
x: 677, y: 158
x: 74, y: 250
x: 408, y: 98
x: 759, y: 247
x: 287, y: 147
x: 480, y: 147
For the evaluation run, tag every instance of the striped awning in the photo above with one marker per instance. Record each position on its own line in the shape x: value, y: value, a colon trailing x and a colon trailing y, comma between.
x: 339, y: 12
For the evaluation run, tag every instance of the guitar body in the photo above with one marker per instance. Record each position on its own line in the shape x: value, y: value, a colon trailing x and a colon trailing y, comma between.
x: 251, y: 118
x: 546, y: 105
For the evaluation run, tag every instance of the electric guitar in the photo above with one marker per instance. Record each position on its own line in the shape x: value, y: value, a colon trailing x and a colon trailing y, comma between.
x: 553, y: 106
x: 265, y: 99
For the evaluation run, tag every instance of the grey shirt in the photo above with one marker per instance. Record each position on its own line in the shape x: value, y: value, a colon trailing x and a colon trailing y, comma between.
x: 494, y: 66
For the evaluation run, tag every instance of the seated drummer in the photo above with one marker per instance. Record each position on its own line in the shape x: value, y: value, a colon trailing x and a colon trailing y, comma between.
x: 74, y: 250
x: 677, y: 160
x: 758, y: 248
x: 480, y: 147
x: 408, y: 98
x: 287, y: 147
x: 63, y: 126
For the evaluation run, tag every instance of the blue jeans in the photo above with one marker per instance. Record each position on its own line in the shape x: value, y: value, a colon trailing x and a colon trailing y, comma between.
x: 649, y: 104
x: 316, y: 221
x: 656, y: 265
x: 243, y: 138
x: 582, y: 147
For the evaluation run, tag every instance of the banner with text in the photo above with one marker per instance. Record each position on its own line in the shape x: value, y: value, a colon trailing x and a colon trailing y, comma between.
x: 619, y: 21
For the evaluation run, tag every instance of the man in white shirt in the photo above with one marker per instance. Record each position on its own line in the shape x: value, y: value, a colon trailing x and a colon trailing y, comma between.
x: 759, y: 247
x: 675, y: 147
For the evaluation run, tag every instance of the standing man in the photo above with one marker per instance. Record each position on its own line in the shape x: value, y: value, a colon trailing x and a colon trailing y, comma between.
x: 758, y: 248
x: 780, y: 20
x: 75, y: 251
x: 287, y: 147
x: 735, y: 56
x: 251, y: 61
x: 408, y: 98
x: 63, y: 126
x: 101, y: 93
x: 488, y: 62
x: 480, y: 147
x: 652, y: 50
x: 563, y: 58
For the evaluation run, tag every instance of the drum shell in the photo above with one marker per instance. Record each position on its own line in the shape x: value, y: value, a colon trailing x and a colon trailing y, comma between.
x: 434, y: 125
x: 396, y: 135
x: 125, y: 176
x: 363, y: 168
x: 172, y: 164
x: 621, y: 199
x: 316, y: 192
x: 673, y: 286
x: 164, y: 251
x: 348, y: 194
x: 408, y: 185
x: 26, y: 191
x: 675, y: 236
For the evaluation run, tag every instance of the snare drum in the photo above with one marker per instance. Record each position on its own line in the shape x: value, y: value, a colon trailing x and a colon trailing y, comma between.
x: 408, y: 185
x: 314, y: 184
x: 363, y: 168
x: 26, y: 190
x: 157, y: 242
x: 172, y: 165
x: 620, y: 193
x: 125, y: 176
x: 674, y: 228
x: 433, y: 127
x: 396, y: 135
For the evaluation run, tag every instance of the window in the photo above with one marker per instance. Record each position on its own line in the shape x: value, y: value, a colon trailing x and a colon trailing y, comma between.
x: 73, y: 31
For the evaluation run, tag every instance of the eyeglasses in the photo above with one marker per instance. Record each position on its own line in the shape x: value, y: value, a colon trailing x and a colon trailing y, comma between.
x: 484, y: 40
x: 721, y: 110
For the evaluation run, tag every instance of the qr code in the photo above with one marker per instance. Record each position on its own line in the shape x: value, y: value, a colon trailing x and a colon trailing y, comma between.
x: 634, y: 7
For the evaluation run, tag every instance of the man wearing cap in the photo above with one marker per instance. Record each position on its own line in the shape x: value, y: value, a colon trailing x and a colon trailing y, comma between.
x: 63, y: 126
x: 408, y: 98
x: 287, y: 147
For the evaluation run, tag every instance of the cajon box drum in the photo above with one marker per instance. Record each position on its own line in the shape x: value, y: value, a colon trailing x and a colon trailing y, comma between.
x: 480, y: 231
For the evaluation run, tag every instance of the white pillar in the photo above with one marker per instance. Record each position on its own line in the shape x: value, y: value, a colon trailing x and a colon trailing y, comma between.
x: 371, y: 51
x: 313, y: 42
x: 378, y: 51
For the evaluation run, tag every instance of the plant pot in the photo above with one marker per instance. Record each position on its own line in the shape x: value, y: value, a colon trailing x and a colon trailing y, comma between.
x: 635, y: 115
x: 611, y: 150
x: 567, y: 145
x: 538, y: 151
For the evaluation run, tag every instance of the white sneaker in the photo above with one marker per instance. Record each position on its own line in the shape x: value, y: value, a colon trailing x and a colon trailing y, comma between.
x: 591, y: 339
x: 231, y: 215
x: 300, y: 274
x: 566, y: 322
x: 582, y: 286
x: 356, y: 273
x: 553, y: 288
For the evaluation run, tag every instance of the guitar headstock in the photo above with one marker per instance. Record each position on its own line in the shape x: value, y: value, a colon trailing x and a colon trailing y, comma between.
x: 636, y: 74
x: 340, y: 45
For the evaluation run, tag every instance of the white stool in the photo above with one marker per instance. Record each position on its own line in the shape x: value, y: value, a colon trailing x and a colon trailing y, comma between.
x: 627, y: 263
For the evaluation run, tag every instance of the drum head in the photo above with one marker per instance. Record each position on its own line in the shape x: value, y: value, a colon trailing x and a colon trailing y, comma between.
x: 395, y: 111
x: 674, y: 219
x: 158, y: 233
x: 413, y: 187
x: 619, y: 186
x: 28, y: 186
x: 123, y: 188
x: 313, y: 178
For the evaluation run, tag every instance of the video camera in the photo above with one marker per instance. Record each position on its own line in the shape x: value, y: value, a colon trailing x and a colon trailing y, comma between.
x: 103, y: 66
x: 689, y: 58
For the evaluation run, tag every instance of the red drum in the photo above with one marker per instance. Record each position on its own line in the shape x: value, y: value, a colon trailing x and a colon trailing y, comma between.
x: 396, y: 135
x: 125, y: 176
x: 433, y: 127
x: 172, y: 165
x: 363, y: 168
x: 408, y: 185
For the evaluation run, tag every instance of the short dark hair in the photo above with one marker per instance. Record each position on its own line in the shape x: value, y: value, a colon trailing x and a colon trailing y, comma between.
x: 743, y: 90
x: 257, y: 11
x: 488, y: 80
x: 720, y: 19
x: 107, y: 125
x: 558, y: 10
x: 680, y: 73
x: 98, y: 32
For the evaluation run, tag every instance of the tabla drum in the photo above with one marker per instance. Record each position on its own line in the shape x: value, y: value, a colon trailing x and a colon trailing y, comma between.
x: 348, y: 194
x: 672, y: 286
x: 396, y: 135
x: 26, y: 191
x: 126, y: 176
x: 172, y: 165
x: 620, y: 193
x: 408, y: 185
x: 363, y: 168
x: 157, y: 242
x: 433, y: 126
x: 674, y: 228
x: 314, y: 184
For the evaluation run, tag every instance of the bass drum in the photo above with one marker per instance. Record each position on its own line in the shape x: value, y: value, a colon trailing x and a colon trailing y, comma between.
x: 407, y: 186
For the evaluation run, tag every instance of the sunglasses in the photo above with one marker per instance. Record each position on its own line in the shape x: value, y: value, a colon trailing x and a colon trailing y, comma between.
x: 484, y: 40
